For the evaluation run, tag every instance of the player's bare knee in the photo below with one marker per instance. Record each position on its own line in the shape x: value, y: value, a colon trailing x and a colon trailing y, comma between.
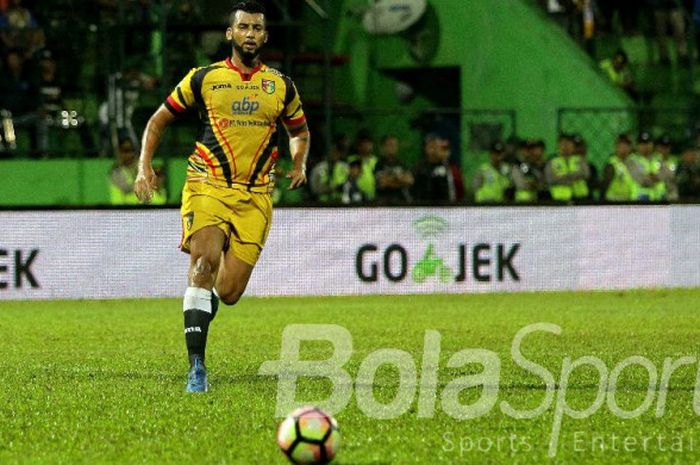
x: 202, y: 270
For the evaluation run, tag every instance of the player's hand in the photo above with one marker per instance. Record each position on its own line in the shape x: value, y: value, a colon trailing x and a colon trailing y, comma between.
x: 146, y: 183
x: 298, y: 177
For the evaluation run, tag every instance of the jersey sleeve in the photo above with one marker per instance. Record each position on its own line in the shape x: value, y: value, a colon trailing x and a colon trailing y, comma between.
x: 182, y: 98
x: 293, y: 114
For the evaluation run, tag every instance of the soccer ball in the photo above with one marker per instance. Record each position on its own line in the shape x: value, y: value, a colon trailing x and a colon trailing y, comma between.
x: 309, y: 436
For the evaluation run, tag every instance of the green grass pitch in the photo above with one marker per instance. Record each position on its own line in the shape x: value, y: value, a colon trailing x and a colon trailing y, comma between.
x: 102, y: 382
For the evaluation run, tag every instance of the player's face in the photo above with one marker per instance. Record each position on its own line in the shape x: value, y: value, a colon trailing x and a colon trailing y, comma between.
x: 248, y: 34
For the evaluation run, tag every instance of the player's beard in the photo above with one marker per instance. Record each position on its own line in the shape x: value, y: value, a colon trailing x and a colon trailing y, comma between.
x: 248, y: 57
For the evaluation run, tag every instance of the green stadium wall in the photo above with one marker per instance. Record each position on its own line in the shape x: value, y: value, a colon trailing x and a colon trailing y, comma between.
x: 511, y: 56
x: 70, y: 182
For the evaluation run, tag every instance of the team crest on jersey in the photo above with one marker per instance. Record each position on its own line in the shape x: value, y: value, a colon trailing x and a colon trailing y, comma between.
x: 268, y: 86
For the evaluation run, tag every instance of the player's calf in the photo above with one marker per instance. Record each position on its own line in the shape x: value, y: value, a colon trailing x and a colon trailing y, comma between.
x: 231, y: 296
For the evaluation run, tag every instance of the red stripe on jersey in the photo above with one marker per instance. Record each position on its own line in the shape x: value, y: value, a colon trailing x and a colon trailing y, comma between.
x: 175, y: 105
x: 296, y: 122
x: 257, y: 154
x: 206, y: 158
x: 244, y: 76
x: 212, y: 120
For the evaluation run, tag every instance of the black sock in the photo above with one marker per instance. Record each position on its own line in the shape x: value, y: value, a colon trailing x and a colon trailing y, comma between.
x: 197, y: 315
x: 215, y: 301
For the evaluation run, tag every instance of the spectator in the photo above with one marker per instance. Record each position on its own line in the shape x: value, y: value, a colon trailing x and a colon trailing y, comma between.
x: 617, y: 70
x: 115, y: 114
x: 670, y: 13
x: 587, y: 15
x: 668, y: 166
x: 393, y: 179
x: 352, y: 191
x: 330, y: 174
x: 563, y: 12
x: 513, y: 150
x: 689, y: 174
x: 160, y: 195
x: 53, y: 109
x: 19, y: 99
x: 490, y: 183
x: 20, y: 31
x: 528, y: 175
x: 537, y: 154
x: 617, y: 183
x: 436, y: 179
x: 364, y: 151
x: 647, y: 185
x: 123, y: 174
x: 581, y: 151
x: 567, y: 173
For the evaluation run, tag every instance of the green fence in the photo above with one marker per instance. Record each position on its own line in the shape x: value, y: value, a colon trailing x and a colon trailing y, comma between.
x: 75, y: 181
x: 600, y: 126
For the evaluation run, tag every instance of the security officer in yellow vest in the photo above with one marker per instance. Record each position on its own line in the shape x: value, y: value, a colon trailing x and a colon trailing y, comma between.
x: 123, y: 175
x: 567, y: 173
x: 491, y: 179
x: 644, y: 168
x: 329, y: 175
x: 617, y: 70
x: 617, y: 183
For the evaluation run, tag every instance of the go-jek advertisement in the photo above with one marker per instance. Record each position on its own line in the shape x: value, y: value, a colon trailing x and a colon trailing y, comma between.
x: 116, y: 254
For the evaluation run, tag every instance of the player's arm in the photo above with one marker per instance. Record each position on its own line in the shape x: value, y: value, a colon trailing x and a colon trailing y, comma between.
x: 146, y: 180
x: 180, y: 101
x: 299, y: 139
x: 294, y: 122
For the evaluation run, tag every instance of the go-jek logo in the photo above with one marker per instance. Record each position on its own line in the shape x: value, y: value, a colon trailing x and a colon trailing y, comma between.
x: 480, y: 262
x: 245, y: 106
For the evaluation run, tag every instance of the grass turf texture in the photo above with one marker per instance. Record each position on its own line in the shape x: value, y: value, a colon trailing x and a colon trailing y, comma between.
x: 103, y: 381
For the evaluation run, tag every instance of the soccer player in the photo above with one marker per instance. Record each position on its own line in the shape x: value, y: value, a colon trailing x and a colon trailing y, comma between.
x: 226, y: 207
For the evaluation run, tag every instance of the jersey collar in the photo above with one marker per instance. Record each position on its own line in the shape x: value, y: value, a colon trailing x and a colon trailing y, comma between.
x: 244, y: 76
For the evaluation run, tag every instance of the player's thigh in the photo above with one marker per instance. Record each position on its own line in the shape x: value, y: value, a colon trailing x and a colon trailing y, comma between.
x: 251, y: 219
x: 207, y: 242
x: 202, y: 208
x: 233, y: 277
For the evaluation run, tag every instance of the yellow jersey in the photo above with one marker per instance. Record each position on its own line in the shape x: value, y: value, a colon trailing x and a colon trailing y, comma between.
x: 239, y: 113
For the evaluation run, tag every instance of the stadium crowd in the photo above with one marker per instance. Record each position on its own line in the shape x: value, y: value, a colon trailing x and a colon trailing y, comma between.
x: 34, y: 86
x: 587, y: 20
x: 640, y: 169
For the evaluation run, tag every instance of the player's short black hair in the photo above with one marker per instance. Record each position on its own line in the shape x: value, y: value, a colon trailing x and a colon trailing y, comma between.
x: 249, y: 6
